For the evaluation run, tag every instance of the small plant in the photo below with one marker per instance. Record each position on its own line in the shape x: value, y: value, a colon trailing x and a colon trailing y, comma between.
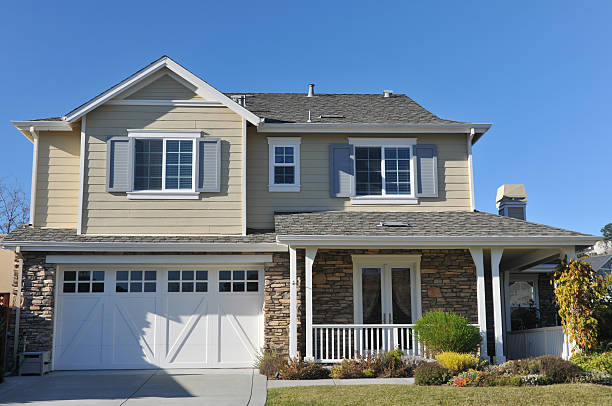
x: 348, y: 369
x: 596, y: 362
x: 269, y: 362
x: 431, y: 373
x: 299, y: 369
x: 596, y: 377
x: 556, y: 369
x: 441, y: 331
x: 457, y: 362
x: 534, y: 380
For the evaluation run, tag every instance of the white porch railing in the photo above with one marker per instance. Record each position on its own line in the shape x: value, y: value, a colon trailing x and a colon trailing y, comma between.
x: 334, y: 342
x: 537, y: 341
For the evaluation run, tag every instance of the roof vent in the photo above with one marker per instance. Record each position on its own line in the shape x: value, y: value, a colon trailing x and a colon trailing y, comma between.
x: 240, y: 99
x: 387, y: 93
x: 393, y: 224
x: 311, y: 89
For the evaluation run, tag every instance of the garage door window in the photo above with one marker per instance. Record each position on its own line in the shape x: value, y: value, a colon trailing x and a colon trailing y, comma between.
x: 136, y: 281
x: 188, y: 281
x: 238, y: 281
x: 83, y: 281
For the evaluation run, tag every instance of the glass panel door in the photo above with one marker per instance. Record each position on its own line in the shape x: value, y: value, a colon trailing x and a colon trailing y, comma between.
x: 401, y: 309
x: 371, y: 295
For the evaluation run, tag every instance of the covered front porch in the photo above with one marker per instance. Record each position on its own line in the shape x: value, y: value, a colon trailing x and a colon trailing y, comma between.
x: 360, y: 301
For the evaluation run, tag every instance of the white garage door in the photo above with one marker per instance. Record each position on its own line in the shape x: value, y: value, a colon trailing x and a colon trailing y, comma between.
x: 158, y: 318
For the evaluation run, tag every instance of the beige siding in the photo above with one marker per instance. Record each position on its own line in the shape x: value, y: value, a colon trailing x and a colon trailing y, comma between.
x: 165, y: 88
x: 57, y: 186
x: 453, y: 178
x: 114, y: 213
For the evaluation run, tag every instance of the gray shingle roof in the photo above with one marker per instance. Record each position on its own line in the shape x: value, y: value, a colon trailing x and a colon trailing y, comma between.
x: 344, y: 108
x: 420, y: 224
x: 28, y: 233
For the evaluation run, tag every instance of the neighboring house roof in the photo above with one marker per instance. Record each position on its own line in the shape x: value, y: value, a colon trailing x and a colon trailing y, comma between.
x: 601, y: 263
x: 426, y: 225
x: 326, y: 110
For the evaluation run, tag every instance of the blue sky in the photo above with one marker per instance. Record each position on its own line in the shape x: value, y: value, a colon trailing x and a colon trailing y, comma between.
x: 541, y: 72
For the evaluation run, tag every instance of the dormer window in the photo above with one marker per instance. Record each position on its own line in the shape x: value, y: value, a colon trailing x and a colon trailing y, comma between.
x: 284, y: 168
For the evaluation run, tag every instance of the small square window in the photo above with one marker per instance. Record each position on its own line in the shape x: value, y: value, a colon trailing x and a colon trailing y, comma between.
x: 225, y: 286
x: 174, y: 287
x: 174, y: 275
x: 122, y: 275
x: 201, y: 286
x: 136, y: 287
x: 149, y: 286
x: 97, y: 287
x: 121, y: 287
x: 70, y: 276
x: 202, y: 275
x: 150, y: 275
x: 136, y: 275
x: 252, y: 286
x: 84, y: 275
x: 98, y: 276
x: 83, y: 287
x: 69, y: 287
x: 187, y: 275
x: 187, y: 287
x: 252, y: 275
x: 238, y: 286
x: 225, y: 275
x: 238, y: 275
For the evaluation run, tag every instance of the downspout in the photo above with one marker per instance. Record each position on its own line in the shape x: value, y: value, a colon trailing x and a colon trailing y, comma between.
x: 470, y: 138
x: 34, y: 175
x: 17, y: 307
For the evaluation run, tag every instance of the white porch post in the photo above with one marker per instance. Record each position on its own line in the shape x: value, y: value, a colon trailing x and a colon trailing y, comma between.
x: 310, y: 256
x: 480, y: 292
x: 496, y: 255
x: 292, y: 303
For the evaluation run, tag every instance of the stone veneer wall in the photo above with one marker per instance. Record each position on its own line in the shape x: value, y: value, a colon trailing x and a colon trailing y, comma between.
x: 546, y: 295
x: 448, y: 282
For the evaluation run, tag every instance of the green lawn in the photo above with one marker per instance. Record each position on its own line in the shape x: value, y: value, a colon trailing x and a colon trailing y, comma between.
x: 557, y: 395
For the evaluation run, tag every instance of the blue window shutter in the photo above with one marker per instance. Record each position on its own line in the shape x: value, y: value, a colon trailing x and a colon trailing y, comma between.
x: 119, y: 164
x: 341, y: 170
x: 427, y: 170
x: 209, y: 165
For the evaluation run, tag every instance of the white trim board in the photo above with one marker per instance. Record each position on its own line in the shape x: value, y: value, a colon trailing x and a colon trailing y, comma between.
x: 371, y: 128
x: 144, y: 247
x: 158, y: 259
x: 82, y: 174
x: 201, y: 88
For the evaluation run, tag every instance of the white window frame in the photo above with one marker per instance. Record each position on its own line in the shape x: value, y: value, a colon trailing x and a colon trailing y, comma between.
x: 387, y: 262
x: 517, y: 277
x: 295, y: 143
x: 164, y: 136
x: 387, y: 143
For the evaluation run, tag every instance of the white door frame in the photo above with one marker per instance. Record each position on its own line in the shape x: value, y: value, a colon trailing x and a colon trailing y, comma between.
x: 385, y: 263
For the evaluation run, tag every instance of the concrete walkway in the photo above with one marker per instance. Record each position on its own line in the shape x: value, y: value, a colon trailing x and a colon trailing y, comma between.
x: 341, y: 382
x: 132, y: 388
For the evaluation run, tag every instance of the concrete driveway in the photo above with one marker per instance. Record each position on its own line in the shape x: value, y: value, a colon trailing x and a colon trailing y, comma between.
x: 130, y: 388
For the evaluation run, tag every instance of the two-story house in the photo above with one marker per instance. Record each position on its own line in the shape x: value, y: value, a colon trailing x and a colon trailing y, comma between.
x: 176, y: 226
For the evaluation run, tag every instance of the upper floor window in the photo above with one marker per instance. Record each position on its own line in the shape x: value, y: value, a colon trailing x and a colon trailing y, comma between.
x: 163, y: 164
x: 384, y: 168
x: 284, y: 158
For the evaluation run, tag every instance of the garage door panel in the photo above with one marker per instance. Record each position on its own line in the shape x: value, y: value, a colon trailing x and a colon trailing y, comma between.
x: 143, y: 319
x: 187, y: 326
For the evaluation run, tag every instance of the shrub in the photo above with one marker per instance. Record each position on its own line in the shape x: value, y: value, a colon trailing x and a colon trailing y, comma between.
x: 440, y: 331
x: 556, y: 369
x: 534, y: 380
x: 597, y: 377
x: 298, y: 369
x: 502, y: 380
x: 348, y: 369
x: 431, y: 373
x: 269, y: 362
x: 457, y: 362
x: 596, y: 362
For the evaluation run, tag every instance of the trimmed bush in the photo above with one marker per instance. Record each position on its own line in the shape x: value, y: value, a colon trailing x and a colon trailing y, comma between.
x: 441, y: 331
x: 595, y: 362
x: 431, y: 373
x: 457, y: 362
x: 269, y: 362
x: 556, y: 369
x: 348, y: 369
x: 298, y: 369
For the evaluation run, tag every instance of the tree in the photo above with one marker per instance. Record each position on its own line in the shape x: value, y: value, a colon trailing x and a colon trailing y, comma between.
x: 14, y: 206
x: 578, y: 291
x: 607, y: 232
